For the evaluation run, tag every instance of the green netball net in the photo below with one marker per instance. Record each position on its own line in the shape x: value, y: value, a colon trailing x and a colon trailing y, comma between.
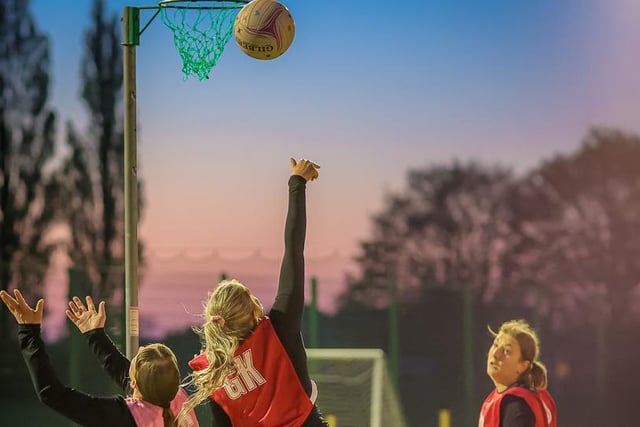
x: 201, y: 30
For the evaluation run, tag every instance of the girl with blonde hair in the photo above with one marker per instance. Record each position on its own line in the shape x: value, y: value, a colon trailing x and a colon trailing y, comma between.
x: 520, y: 397
x: 253, y: 368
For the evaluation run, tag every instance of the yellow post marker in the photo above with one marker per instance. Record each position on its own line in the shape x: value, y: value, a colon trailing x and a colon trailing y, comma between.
x: 331, y: 420
x: 444, y: 418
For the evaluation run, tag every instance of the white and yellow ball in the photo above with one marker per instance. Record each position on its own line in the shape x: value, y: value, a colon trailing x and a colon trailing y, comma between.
x: 264, y: 29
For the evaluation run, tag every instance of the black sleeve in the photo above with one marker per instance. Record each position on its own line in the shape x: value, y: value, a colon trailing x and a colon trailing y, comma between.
x: 114, y: 363
x: 286, y: 312
x: 514, y: 412
x: 220, y: 418
x: 81, y: 408
x: 290, y: 297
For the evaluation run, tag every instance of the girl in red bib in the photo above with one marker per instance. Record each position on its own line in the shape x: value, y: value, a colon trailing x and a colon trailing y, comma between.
x: 253, y: 368
x: 520, y: 398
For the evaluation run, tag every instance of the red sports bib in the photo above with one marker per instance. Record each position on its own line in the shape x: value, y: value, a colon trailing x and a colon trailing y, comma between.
x: 540, y: 402
x: 265, y: 390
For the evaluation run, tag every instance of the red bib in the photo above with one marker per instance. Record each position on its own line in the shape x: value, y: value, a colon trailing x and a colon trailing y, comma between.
x: 540, y: 402
x: 265, y: 389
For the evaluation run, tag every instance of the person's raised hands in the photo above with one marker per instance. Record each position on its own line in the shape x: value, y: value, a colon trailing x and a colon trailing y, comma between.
x: 305, y: 168
x: 24, y: 314
x: 86, y: 318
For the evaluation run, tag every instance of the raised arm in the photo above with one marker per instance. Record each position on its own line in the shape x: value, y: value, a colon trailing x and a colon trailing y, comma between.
x: 75, y: 405
x: 90, y: 322
x: 290, y: 297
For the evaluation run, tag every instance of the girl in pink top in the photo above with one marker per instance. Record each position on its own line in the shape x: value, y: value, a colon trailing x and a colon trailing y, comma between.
x: 152, y: 376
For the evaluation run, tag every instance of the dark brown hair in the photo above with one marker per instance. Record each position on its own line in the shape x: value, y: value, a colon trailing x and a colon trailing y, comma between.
x: 158, y: 378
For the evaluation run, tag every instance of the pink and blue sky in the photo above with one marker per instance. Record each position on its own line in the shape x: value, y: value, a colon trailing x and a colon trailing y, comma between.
x: 368, y: 89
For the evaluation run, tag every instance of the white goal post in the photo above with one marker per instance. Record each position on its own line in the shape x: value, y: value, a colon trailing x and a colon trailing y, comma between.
x: 354, y: 387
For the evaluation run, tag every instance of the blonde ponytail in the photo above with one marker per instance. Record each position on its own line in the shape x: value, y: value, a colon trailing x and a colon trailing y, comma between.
x: 219, y: 350
x: 230, y: 316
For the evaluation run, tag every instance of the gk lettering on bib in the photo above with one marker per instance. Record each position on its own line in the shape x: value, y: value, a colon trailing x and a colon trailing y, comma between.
x: 246, y: 378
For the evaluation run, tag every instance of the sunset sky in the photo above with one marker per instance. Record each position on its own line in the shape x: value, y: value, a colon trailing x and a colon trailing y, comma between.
x: 368, y: 90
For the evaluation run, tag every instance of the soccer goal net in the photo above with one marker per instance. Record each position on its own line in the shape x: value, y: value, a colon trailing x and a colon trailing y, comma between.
x: 354, y: 387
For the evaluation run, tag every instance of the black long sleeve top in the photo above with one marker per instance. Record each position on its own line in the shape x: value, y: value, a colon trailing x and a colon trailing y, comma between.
x: 79, y: 407
x: 514, y: 412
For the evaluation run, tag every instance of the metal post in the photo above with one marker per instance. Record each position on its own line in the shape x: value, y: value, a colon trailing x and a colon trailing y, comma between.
x: 394, y: 330
x: 75, y: 339
x: 467, y: 367
x: 131, y: 25
x: 377, y: 385
x: 313, y: 314
x: 601, y: 371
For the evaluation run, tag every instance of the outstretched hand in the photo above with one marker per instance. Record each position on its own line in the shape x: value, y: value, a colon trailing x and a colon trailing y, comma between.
x: 24, y: 314
x: 86, y: 318
x: 305, y: 168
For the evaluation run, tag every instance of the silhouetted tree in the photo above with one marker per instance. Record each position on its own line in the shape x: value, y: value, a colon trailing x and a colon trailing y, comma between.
x: 578, y: 215
x: 450, y: 229
x: 27, y: 139
x: 93, y: 173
